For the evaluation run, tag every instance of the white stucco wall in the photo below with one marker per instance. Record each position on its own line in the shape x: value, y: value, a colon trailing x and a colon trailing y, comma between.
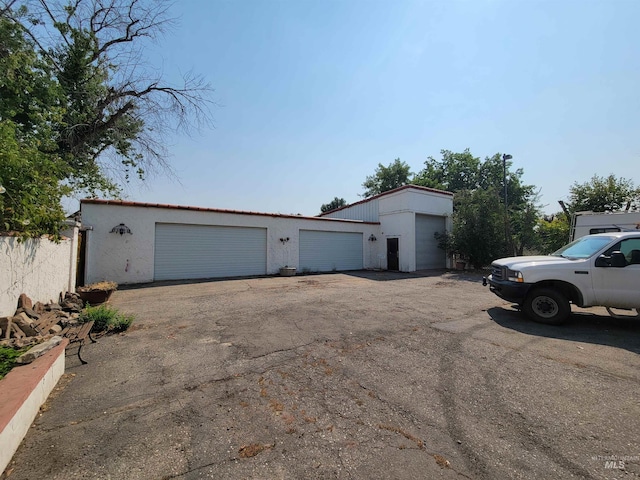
x: 400, y: 225
x: 130, y: 258
x: 417, y: 201
x: 38, y: 267
x: 397, y: 214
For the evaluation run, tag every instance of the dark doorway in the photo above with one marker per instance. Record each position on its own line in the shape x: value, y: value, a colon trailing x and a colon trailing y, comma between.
x: 393, y: 261
x: 82, y: 257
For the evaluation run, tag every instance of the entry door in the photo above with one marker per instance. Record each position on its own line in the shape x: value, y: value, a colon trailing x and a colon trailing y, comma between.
x: 82, y: 257
x: 393, y: 258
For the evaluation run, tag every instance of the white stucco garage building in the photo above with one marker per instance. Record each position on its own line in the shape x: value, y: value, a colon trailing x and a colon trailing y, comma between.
x: 131, y: 242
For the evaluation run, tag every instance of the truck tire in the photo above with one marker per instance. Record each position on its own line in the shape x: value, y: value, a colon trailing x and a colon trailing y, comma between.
x: 544, y: 305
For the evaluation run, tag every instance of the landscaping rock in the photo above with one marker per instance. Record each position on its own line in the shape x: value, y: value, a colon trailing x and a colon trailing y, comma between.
x: 16, y: 332
x: 52, y: 306
x: 5, y: 327
x: 55, y: 329
x: 31, y: 313
x: 39, y: 307
x: 24, y: 301
x: 27, y: 341
x: 39, y: 350
x: 25, y: 324
x: 72, y: 302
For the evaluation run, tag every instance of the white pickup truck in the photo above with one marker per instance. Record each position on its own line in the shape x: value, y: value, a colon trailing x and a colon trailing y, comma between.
x: 595, y: 270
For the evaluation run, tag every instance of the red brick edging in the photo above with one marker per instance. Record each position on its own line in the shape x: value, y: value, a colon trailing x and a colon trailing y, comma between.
x: 20, y: 383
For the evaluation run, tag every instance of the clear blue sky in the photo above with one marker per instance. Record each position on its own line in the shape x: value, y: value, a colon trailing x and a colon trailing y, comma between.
x: 314, y: 94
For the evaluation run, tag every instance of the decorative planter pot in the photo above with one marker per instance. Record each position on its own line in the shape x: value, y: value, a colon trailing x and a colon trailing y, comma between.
x: 287, y: 271
x: 95, y: 297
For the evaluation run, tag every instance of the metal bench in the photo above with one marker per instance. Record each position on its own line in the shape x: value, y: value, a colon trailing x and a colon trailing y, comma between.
x: 77, y: 335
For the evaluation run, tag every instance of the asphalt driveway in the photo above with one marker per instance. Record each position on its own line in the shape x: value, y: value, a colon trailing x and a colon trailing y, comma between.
x: 370, y: 375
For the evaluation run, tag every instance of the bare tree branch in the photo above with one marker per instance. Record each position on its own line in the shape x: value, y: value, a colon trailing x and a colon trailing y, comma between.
x: 118, y: 112
x: 6, y: 7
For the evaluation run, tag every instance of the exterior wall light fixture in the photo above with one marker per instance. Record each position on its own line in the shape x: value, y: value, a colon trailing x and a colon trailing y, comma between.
x: 121, y: 229
x: 372, y: 238
x: 284, y: 240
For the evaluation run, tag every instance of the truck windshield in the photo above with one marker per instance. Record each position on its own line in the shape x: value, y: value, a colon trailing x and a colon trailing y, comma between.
x: 583, y: 247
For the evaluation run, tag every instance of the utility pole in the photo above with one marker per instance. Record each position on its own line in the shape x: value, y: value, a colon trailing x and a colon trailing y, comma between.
x: 507, y: 241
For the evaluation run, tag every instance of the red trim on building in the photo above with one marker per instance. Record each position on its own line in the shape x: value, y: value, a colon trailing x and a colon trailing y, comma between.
x: 125, y: 203
x: 389, y: 192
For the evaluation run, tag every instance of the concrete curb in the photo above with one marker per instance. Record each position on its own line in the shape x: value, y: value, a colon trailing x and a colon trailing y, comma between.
x: 22, y: 391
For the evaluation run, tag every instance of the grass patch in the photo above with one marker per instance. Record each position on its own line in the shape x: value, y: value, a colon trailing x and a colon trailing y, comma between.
x: 106, y: 318
x: 8, y: 357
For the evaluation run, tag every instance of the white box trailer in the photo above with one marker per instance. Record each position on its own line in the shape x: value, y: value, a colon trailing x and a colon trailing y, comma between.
x: 589, y: 223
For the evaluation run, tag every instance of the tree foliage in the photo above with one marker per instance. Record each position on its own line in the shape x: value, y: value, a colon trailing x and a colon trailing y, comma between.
x: 478, y: 231
x: 483, y: 229
x: 552, y: 232
x: 333, y: 204
x: 31, y: 192
x: 604, y: 194
x: 454, y: 172
x: 395, y: 175
x: 75, y: 87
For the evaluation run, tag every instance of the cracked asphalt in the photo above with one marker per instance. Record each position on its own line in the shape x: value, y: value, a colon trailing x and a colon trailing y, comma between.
x: 356, y: 376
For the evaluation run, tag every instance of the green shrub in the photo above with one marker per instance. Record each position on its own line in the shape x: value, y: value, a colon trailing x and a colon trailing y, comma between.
x: 106, y: 318
x: 8, y: 357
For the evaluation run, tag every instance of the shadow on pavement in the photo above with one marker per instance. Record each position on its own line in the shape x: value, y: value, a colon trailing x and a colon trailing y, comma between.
x: 376, y: 275
x: 581, y: 327
x: 387, y: 275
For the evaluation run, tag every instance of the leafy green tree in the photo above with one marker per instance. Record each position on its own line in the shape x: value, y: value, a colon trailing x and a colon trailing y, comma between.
x: 603, y: 194
x: 387, y: 178
x: 553, y: 232
x: 74, y: 86
x: 31, y: 192
x: 30, y: 95
x: 454, y: 172
x: 333, y: 204
x: 478, y: 230
x: 512, y: 229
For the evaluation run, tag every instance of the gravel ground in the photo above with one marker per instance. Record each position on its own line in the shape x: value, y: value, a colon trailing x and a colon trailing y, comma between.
x: 364, y: 375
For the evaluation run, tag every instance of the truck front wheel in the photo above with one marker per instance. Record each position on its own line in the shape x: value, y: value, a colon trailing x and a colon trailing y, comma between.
x: 544, y: 305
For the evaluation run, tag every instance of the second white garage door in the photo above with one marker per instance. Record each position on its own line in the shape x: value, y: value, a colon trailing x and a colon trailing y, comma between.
x: 330, y: 251
x: 205, y: 251
x: 428, y: 255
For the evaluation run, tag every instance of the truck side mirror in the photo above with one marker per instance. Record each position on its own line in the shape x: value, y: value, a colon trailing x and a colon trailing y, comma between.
x: 617, y: 259
x: 603, y: 261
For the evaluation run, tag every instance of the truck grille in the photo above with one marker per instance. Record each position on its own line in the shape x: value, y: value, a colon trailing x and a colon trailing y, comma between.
x: 496, y: 272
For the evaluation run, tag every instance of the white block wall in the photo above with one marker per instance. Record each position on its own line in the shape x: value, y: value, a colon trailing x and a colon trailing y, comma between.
x: 38, y: 267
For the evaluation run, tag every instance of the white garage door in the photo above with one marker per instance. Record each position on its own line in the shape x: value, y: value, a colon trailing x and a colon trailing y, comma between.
x: 330, y: 251
x: 204, y: 251
x: 428, y: 255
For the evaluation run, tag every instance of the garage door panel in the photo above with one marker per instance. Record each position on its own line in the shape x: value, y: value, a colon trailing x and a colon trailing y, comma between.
x: 322, y: 251
x: 428, y: 255
x: 205, y: 251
